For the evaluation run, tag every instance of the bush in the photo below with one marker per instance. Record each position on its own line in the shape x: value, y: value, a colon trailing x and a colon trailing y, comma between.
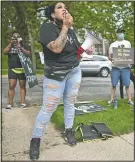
x: 4, y: 61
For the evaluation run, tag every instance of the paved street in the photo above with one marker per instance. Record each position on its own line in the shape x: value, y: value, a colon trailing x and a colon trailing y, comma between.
x: 92, y: 88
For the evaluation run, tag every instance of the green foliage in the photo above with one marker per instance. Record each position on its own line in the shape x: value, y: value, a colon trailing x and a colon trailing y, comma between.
x: 4, y: 72
x: 103, y: 17
x: 4, y: 61
x: 133, y: 71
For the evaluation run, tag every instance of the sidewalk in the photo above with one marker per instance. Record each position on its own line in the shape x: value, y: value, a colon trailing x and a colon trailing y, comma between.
x: 17, y: 130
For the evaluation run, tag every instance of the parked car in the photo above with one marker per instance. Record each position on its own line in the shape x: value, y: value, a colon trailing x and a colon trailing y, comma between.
x: 96, y: 65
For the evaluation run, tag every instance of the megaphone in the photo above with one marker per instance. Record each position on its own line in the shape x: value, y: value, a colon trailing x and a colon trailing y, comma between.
x: 90, y: 40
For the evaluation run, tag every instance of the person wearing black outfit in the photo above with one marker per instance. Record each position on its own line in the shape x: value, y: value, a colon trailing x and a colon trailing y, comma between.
x: 132, y: 78
x: 132, y: 75
x: 62, y: 74
x: 15, y: 70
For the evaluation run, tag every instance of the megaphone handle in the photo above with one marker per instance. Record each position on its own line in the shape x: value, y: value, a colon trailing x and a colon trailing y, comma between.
x: 80, y: 50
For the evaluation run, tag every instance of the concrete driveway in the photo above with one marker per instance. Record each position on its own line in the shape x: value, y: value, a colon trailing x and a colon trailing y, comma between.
x: 17, y: 131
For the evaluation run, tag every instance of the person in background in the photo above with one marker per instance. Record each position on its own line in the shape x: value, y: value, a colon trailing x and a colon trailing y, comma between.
x: 120, y: 70
x: 132, y: 78
x: 62, y: 74
x: 132, y: 75
x: 15, y: 70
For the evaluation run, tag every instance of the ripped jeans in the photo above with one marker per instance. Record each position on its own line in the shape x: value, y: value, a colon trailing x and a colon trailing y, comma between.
x: 53, y: 91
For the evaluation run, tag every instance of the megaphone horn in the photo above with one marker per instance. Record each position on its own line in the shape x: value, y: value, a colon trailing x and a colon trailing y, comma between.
x: 90, y: 41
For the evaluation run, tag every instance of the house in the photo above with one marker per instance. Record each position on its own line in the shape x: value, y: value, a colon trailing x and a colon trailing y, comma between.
x: 102, y: 47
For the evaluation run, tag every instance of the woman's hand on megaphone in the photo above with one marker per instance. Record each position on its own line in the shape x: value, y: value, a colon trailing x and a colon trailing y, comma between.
x: 88, y: 52
x: 67, y: 20
x: 84, y: 54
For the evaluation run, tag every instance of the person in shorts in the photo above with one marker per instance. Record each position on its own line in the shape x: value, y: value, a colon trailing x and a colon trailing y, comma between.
x: 15, y: 70
x: 120, y: 70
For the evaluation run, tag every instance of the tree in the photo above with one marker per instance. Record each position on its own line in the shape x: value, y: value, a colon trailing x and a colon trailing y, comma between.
x: 104, y: 19
x: 24, y: 16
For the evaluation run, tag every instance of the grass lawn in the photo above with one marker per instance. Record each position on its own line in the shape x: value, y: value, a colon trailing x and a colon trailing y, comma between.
x: 133, y: 71
x: 120, y: 121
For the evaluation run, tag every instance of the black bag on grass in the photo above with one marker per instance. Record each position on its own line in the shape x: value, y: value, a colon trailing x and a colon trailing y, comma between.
x: 95, y: 131
x: 88, y: 132
x: 102, y: 129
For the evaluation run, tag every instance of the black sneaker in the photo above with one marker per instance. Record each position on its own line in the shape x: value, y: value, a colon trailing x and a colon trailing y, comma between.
x: 24, y: 106
x: 34, y: 148
x: 8, y: 107
x: 69, y: 137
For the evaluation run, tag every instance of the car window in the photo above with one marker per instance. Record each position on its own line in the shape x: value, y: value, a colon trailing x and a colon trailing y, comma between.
x: 97, y: 58
x: 86, y: 59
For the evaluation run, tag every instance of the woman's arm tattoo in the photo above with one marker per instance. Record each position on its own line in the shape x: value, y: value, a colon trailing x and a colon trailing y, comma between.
x: 58, y: 45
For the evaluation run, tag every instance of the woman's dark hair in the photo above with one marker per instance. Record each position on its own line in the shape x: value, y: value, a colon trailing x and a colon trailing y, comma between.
x: 48, y: 11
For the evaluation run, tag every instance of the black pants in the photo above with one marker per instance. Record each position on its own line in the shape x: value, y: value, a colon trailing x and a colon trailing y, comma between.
x: 13, y: 75
x: 132, y: 77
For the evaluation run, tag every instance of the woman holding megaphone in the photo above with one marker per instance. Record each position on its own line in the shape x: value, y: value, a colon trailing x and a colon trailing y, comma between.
x: 62, y: 73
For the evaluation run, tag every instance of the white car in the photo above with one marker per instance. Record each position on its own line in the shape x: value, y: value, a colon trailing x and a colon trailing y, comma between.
x: 96, y: 65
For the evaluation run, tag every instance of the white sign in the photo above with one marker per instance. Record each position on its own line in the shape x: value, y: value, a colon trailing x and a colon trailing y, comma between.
x: 41, y: 54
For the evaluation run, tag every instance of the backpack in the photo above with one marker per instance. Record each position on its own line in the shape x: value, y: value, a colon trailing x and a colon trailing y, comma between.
x: 95, y: 131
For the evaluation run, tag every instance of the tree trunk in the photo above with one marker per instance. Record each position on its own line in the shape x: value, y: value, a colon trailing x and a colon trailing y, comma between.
x: 32, y: 47
x: 31, y: 43
x: 24, y: 28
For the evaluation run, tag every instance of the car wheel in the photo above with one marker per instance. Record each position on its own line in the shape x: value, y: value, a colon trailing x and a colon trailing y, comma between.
x: 104, y: 72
